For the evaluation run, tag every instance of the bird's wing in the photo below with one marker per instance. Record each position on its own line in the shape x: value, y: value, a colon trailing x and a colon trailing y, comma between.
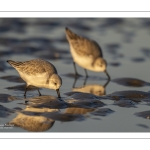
x: 83, y: 46
x: 86, y: 47
x: 34, y: 67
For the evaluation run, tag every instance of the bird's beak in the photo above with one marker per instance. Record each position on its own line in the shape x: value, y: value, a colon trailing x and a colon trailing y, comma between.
x: 107, y: 74
x: 58, y: 93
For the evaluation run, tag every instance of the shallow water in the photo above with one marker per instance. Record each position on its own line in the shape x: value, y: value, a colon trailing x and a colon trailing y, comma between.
x: 87, y: 105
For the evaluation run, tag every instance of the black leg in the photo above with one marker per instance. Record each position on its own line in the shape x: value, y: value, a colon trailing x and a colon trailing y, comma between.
x: 25, y: 91
x: 86, y: 73
x: 25, y: 94
x: 76, y: 73
x: 39, y: 92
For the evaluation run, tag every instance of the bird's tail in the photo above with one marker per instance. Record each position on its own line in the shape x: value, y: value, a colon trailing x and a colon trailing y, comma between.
x: 70, y: 35
x: 15, y: 64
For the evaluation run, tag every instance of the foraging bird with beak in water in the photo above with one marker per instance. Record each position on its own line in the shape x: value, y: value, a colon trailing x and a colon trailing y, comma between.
x: 38, y: 73
x: 86, y: 53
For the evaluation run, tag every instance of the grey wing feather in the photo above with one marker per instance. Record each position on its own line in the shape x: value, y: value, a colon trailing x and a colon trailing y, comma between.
x: 33, y: 67
x: 83, y: 46
x: 87, y: 47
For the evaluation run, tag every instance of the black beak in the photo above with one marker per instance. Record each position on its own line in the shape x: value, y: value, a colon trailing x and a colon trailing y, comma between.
x: 58, y: 93
x: 107, y: 74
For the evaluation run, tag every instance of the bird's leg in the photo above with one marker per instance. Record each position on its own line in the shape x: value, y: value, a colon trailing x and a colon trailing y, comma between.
x: 39, y: 91
x: 25, y: 91
x: 86, y: 73
x: 76, y: 73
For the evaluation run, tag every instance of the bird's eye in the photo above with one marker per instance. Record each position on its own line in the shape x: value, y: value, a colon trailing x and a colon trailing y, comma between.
x: 55, y: 83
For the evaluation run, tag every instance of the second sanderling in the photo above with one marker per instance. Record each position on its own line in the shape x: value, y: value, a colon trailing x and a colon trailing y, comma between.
x: 86, y: 53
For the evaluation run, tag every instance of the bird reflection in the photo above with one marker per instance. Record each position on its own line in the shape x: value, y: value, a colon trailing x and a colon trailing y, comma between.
x: 33, y: 122
x: 53, y: 103
x: 46, y: 101
x: 41, y: 112
x: 95, y: 89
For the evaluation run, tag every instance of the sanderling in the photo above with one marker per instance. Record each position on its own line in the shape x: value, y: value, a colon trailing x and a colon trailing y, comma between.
x: 38, y: 73
x: 86, y: 53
